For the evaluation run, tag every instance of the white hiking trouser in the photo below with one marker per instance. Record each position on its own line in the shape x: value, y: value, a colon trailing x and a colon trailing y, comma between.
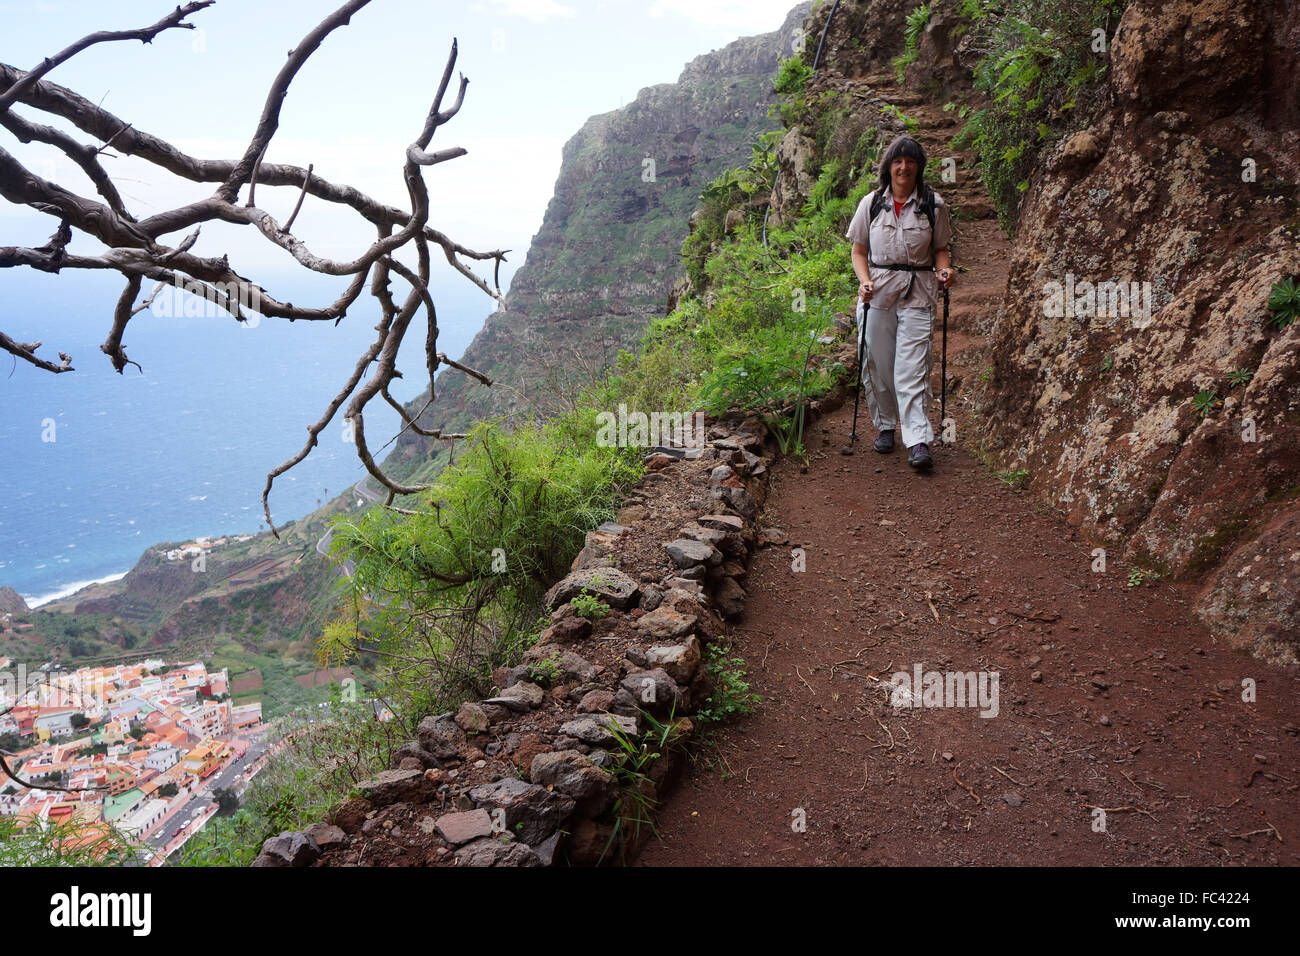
x: 896, y: 369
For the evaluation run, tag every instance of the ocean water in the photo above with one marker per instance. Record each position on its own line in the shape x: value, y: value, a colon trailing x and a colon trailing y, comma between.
x: 95, y: 466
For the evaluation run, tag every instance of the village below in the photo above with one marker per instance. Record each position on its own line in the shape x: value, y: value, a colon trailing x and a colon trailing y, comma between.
x: 150, y: 751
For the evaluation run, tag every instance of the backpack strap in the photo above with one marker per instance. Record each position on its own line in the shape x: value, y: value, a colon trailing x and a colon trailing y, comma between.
x: 927, y: 206
x: 877, y: 203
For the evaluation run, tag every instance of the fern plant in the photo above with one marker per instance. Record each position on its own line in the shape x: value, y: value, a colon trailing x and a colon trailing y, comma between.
x: 916, y: 22
x: 1040, y: 61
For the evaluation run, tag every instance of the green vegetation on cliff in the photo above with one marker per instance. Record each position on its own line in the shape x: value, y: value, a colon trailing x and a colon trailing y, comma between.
x: 1040, y: 71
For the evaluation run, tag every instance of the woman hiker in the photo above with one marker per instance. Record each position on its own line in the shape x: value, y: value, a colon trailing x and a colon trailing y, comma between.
x: 896, y: 255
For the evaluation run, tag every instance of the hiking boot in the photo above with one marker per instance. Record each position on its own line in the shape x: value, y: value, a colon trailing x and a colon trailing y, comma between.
x: 918, y: 456
x: 884, y: 442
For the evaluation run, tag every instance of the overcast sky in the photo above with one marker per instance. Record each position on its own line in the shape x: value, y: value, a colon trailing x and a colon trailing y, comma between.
x: 537, y: 70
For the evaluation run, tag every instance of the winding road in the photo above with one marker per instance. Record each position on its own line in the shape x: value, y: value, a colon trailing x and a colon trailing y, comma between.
x: 363, y: 490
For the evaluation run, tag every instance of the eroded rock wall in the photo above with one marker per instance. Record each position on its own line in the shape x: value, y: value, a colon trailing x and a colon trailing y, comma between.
x: 1185, y: 184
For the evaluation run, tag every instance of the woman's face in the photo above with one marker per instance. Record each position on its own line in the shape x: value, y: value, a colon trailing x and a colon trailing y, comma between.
x: 902, y: 172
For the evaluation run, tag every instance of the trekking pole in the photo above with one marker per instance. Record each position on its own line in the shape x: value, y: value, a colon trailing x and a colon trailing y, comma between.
x: 943, y: 373
x: 857, y: 392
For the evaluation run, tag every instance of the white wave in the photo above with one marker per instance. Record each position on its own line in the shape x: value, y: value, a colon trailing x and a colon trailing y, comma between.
x: 69, y: 589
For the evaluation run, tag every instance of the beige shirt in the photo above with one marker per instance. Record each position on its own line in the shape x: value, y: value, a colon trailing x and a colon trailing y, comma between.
x: 903, y: 240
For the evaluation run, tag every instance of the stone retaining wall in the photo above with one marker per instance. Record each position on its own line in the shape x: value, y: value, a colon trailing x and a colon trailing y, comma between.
x: 529, y: 776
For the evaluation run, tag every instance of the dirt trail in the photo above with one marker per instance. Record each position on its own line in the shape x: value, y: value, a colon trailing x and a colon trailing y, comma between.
x: 1108, y: 696
x: 1135, y: 706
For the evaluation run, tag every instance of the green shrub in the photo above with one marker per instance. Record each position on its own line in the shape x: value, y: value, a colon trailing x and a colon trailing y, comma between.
x: 731, y: 695
x: 1284, y: 302
x: 589, y: 606
x: 546, y: 670
x: 1040, y: 64
x: 792, y: 76
x: 71, y: 842
x: 762, y: 372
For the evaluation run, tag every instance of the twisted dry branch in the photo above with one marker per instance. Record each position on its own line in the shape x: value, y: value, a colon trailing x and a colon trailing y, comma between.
x: 134, y: 247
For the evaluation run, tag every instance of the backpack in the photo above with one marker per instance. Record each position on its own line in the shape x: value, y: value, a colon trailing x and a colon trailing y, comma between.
x: 926, y: 201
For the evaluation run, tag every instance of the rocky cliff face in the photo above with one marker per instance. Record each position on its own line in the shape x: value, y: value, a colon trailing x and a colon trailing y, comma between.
x: 606, y: 256
x: 1185, y: 184
x: 11, y: 602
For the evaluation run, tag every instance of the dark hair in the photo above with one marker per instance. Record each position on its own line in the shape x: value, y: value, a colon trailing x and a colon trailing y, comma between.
x: 903, y: 145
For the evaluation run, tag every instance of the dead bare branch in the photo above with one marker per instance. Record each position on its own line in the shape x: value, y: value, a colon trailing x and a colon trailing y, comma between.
x: 442, y: 357
x: 26, y: 351
x: 270, y: 119
x: 135, y: 248
x: 172, y: 20
x: 288, y: 225
x: 112, y: 346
